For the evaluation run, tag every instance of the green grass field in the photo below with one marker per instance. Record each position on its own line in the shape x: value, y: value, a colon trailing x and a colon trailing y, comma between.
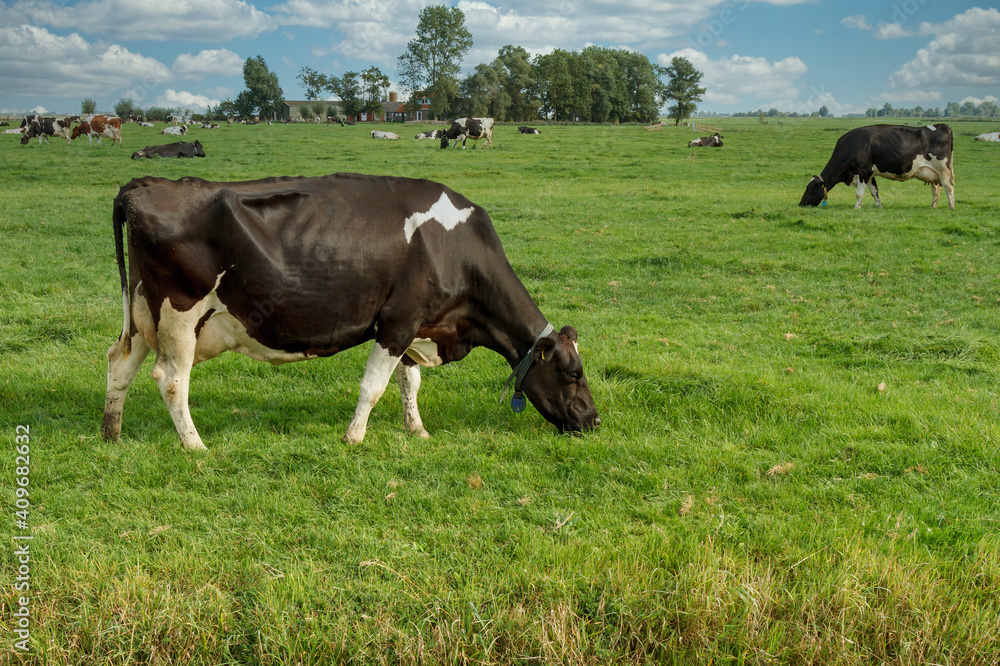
x: 798, y: 461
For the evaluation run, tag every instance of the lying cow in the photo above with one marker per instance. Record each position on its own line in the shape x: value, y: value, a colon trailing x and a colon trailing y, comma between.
x: 472, y: 128
x: 527, y: 130
x: 143, y: 123
x: 378, y: 134
x: 897, y: 152
x: 410, y: 264
x: 100, y: 126
x: 179, y: 130
x: 431, y: 134
x: 210, y: 126
x: 43, y: 128
x: 179, y: 149
x: 714, y: 141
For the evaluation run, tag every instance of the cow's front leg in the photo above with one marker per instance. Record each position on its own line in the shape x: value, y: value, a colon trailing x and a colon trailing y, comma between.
x: 408, y: 378
x: 378, y: 370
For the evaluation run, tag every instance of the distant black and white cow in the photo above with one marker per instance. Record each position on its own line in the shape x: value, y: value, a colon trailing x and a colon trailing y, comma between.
x: 472, y: 128
x: 410, y: 264
x: 210, y: 126
x: 527, y: 130
x: 431, y: 134
x: 714, y: 141
x: 379, y: 134
x: 179, y: 130
x: 896, y: 152
x: 143, y: 123
x: 43, y: 128
x: 179, y: 149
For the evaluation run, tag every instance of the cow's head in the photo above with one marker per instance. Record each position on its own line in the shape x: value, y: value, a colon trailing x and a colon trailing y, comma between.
x: 815, y: 192
x: 556, y: 386
x: 80, y: 130
x: 198, y: 150
x: 444, y: 141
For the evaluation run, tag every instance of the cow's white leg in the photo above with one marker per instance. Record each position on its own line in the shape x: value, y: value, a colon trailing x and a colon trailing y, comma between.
x: 948, y: 181
x: 121, y: 373
x: 859, y: 191
x: 172, y: 370
x: 378, y: 371
x: 873, y: 188
x: 408, y: 378
x: 935, y: 194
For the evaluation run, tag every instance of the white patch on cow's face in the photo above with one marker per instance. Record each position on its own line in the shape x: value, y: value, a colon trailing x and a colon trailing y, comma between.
x: 425, y: 352
x: 443, y: 210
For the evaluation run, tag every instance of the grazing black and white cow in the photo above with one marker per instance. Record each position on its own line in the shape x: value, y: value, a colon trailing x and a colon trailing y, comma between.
x: 430, y: 134
x: 472, y: 128
x: 379, y: 134
x: 527, y: 130
x: 897, y: 152
x: 43, y: 128
x: 288, y: 269
x: 179, y: 149
x: 714, y: 141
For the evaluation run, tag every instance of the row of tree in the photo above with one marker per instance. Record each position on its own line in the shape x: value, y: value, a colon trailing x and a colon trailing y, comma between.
x: 952, y: 110
x: 596, y: 85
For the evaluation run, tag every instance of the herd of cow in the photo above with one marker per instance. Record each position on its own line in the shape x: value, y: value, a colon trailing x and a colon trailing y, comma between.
x: 228, y: 269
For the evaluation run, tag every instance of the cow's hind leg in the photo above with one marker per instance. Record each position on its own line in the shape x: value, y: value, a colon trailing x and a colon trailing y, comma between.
x: 122, y: 370
x: 378, y: 371
x: 935, y: 194
x: 408, y: 378
x: 172, y: 371
x: 873, y: 188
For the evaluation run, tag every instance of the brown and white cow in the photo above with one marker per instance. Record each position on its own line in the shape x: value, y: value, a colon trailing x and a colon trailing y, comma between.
x: 472, y: 128
x: 288, y: 269
x: 100, y: 126
x: 896, y: 152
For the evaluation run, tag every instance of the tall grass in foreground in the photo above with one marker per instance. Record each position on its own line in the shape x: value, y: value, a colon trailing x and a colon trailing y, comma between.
x: 797, y: 462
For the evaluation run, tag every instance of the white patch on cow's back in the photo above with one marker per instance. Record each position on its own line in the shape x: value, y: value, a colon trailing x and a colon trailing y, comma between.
x: 425, y: 352
x: 932, y: 128
x: 443, y: 210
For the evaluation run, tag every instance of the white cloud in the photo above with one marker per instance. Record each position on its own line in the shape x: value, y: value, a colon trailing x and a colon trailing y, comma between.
x: 891, y: 31
x: 732, y: 80
x: 70, y: 66
x: 907, y: 98
x: 856, y: 21
x: 977, y: 101
x: 208, y: 20
x: 181, y: 99
x: 221, y: 62
x: 963, y: 53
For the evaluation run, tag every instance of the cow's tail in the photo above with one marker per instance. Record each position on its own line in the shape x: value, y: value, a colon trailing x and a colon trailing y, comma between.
x: 118, y: 217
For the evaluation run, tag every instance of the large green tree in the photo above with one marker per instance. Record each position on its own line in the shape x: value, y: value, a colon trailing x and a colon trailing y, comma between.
x: 683, y: 89
x: 374, y: 85
x: 263, y: 96
x: 347, y: 89
x: 514, y: 63
x: 314, y: 82
x: 434, y: 56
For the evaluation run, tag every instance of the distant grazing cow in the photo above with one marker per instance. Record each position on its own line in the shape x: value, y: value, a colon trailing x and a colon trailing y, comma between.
x: 378, y: 134
x: 100, y: 126
x: 714, y: 141
x: 897, y: 152
x: 431, y: 134
x: 43, y: 128
x: 180, y: 130
x: 527, y: 130
x: 472, y: 128
x: 179, y: 149
x: 410, y: 264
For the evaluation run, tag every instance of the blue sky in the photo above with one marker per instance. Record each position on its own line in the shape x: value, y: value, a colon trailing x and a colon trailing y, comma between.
x: 795, y: 55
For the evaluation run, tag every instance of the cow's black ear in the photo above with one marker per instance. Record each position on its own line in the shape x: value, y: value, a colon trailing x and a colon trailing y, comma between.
x: 544, y: 349
x: 568, y: 332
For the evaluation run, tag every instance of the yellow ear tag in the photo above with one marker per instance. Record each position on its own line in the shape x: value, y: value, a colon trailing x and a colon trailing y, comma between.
x: 543, y: 355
